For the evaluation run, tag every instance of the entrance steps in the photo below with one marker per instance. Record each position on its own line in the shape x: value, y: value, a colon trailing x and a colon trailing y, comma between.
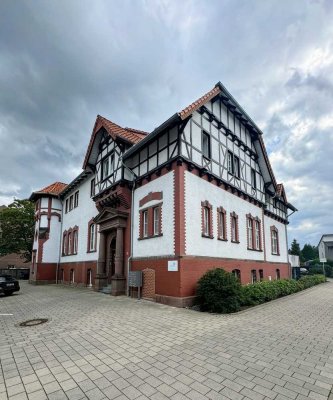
x: 106, y: 289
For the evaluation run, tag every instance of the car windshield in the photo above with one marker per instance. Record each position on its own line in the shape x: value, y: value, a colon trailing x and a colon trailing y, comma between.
x: 6, y: 278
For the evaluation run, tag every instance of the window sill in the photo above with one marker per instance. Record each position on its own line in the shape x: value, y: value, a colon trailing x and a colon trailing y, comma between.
x: 259, y: 250
x: 91, y: 251
x: 69, y: 255
x: 222, y: 239
x: 275, y: 254
x: 150, y: 237
x: 235, y: 241
x: 207, y: 236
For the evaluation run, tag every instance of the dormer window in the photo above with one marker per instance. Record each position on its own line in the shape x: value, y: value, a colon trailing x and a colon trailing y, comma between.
x: 206, y: 145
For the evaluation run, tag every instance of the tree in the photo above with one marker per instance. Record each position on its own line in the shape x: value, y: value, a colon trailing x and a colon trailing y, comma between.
x: 17, y: 228
x: 309, y: 252
x: 295, y: 248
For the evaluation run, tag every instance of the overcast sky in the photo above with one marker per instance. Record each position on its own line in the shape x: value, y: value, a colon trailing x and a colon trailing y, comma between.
x: 138, y: 62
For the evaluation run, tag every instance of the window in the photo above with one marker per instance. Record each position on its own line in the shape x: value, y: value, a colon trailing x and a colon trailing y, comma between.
x: 70, y: 243
x: 206, y: 219
x: 253, y: 276
x: 107, y: 166
x: 237, y: 273
x: 145, y: 223
x: 92, y: 237
x: 72, y: 276
x: 261, y: 275
x: 66, y: 208
x: 206, y: 145
x: 233, y: 165
x: 278, y: 274
x: 64, y: 243
x: 257, y: 235
x: 92, y: 188
x: 250, y: 233
x: 253, y: 178
x: 222, y: 228
x: 234, y: 227
x: 275, y: 240
x: 236, y: 167
x: 76, y: 199
x: 156, y: 215
x: 71, y: 203
x: 230, y: 163
x: 75, y: 240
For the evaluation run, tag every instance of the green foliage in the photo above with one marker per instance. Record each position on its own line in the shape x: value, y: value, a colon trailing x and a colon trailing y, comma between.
x: 309, y: 252
x: 295, y: 248
x: 219, y: 291
x: 17, y: 228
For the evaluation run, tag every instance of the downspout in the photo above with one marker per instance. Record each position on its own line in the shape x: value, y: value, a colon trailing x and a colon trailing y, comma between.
x: 59, y: 256
x: 129, y: 260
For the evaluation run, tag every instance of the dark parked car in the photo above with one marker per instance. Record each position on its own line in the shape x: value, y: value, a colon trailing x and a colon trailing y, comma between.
x: 8, y: 285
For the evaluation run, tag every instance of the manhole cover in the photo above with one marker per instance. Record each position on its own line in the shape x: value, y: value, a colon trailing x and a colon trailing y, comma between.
x: 34, y: 322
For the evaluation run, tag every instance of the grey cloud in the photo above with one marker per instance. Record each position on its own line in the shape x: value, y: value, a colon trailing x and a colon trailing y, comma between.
x: 137, y: 62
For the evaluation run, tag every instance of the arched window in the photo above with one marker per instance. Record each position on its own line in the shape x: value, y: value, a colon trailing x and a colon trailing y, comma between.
x: 89, y: 278
x: 206, y: 219
x: 278, y: 277
x: 72, y: 276
x: 253, y: 276
x: 92, y: 236
x: 221, y: 223
x: 237, y: 273
x: 234, y: 227
x: 70, y: 243
x: 250, y: 233
x: 64, y: 243
x: 75, y: 239
x: 261, y: 275
x: 275, y: 240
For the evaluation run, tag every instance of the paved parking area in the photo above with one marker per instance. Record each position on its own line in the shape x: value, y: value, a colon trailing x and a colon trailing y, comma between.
x: 99, y: 347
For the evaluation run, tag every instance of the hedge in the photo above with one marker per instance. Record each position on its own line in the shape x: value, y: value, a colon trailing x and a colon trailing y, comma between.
x: 220, y: 291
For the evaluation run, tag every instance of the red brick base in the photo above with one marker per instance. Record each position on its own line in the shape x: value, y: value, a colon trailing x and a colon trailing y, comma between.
x: 80, y: 269
x: 178, y: 288
x: 43, y: 273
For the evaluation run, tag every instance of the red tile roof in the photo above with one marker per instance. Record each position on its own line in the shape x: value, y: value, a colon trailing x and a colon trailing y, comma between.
x: 131, y: 135
x: 198, y: 103
x: 54, y: 190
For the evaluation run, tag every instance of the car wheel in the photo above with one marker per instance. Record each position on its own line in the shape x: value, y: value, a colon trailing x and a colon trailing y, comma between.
x: 9, y: 293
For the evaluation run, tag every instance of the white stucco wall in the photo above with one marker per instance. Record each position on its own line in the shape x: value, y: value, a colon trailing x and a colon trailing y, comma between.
x: 162, y: 245
x: 51, y: 246
x: 198, y: 190
x: 283, y: 257
x: 80, y: 216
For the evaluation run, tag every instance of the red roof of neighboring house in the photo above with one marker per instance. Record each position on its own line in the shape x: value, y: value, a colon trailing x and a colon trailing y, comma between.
x: 53, y: 190
x: 131, y: 135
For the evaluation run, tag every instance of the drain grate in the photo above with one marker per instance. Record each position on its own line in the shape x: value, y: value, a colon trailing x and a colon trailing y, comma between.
x: 34, y: 322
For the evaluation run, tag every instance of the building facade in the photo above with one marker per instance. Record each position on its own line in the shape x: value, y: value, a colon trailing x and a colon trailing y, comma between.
x: 195, y: 194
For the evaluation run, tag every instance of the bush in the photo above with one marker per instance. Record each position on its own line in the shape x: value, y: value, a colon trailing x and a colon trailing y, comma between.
x: 219, y: 291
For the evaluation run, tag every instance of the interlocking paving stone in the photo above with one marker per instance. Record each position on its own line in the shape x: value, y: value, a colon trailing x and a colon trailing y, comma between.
x: 99, y: 347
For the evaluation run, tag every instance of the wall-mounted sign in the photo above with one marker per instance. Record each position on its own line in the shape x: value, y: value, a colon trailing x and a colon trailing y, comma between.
x: 323, y: 260
x: 173, y: 266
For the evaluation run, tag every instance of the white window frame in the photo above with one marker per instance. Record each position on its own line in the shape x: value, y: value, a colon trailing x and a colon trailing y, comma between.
x: 274, y: 242
x: 257, y: 234
x: 222, y: 225
x: 250, y: 233
x: 92, y: 237
x: 145, y: 223
x: 206, y: 221
x: 156, y: 217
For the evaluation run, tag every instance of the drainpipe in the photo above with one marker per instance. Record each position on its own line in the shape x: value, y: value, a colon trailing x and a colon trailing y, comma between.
x: 59, y: 256
x: 131, y: 228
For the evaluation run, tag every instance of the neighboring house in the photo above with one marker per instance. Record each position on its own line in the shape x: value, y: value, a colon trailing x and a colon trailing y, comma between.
x: 325, y: 247
x: 196, y: 193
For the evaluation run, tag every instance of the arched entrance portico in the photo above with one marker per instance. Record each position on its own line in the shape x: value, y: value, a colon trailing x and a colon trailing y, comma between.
x: 110, y: 264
